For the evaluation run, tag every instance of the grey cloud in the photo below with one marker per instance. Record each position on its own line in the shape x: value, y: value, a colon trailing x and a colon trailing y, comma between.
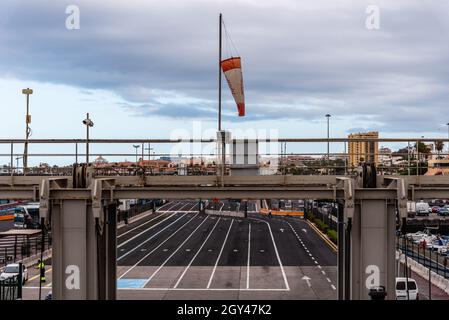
x: 301, y: 60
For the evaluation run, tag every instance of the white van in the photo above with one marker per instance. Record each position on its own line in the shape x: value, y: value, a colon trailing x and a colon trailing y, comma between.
x: 422, y: 209
x: 401, y: 289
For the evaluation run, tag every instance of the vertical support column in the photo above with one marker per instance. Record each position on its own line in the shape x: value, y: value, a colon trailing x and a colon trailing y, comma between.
x: 84, y: 262
x: 373, y: 248
x: 69, y: 255
x: 108, y: 257
x: 341, y: 251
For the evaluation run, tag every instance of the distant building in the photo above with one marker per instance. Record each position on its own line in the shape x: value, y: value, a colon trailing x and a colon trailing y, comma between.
x: 437, y: 167
x: 363, y: 150
x: 385, y: 156
x: 100, y: 162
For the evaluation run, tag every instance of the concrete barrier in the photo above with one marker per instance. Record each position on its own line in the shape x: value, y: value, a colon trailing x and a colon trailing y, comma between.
x: 436, y: 279
x: 31, y: 261
x: 139, y: 216
x: 237, y: 214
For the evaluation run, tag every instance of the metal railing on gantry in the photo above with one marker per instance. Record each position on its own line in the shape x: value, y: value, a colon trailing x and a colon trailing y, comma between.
x: 283, y: 156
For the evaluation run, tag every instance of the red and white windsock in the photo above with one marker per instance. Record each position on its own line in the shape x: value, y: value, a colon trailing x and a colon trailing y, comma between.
x: 232, y: 69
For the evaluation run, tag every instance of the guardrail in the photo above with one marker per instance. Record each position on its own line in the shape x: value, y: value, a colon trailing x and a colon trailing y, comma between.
x: 10, y: 288
x: 412, y: 162
x: 14, y: 249
x: 428, y: 257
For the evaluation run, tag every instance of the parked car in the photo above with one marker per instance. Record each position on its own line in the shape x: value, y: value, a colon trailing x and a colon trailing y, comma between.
x: 435, y: 209
x: 401, y: 289
x: 444, y: 211
x: 12, y: 270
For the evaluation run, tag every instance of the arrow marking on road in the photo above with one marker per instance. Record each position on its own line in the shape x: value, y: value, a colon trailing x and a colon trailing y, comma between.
x: 307, y: 279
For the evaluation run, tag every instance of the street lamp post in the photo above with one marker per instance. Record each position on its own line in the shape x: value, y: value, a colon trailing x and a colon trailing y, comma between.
x: 448, y: 138
x: 149, y: 150
x: 17, y: 163
x: 136, y: 146
x: 88, y: 123
x: 328, y: 158
x: 27, y: 92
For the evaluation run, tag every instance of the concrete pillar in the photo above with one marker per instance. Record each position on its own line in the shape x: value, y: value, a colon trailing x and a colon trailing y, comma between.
x: 372, y: 248
x: 75, y: 269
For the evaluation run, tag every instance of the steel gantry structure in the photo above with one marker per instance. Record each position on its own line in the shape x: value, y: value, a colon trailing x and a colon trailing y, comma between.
x: 83, y: 219
x: 82, y: 207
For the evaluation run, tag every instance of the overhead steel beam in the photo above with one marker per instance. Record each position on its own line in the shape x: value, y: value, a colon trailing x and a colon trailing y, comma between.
x: 53, y: 141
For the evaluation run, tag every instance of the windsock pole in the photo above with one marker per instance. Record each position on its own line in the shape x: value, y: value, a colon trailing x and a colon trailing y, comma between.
x: 223, y: 146
x: 219, y: 74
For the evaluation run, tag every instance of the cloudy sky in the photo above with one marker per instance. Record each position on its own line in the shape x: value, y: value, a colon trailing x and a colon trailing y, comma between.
x: 148, y: 69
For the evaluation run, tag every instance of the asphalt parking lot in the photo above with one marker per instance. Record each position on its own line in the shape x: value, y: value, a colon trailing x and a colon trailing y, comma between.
x: 179, y: 253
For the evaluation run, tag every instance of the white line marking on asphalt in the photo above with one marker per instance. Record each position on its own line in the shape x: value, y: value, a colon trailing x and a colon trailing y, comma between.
x: 333, y: 287
x: 319, y: 267
x: 322, y: 271
x: 157, y: 247
x: 191, y: 261
x: 146, y: 230
x: 174, y: 252
x: 185, y: 289
x: 249, y: 251
x: 328, y: 280
x: 196, y: 289
x: 277, y: 255
x: 143, y: 242
x: 219, y: 255
x: 139, y: 226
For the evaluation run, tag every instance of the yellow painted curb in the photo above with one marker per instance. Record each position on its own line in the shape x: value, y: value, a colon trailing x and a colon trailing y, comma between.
x: 282, y: 213
x: 323, y: 236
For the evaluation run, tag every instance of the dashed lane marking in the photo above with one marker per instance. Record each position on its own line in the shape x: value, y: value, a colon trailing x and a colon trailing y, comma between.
x: 196, y: 254
x: 143, y: 242
x: 148, y: 254
x: 174, y: 252
x: 219, y: 255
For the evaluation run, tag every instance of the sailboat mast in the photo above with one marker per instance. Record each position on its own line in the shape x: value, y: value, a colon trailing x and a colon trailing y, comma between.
x: 219, y: 74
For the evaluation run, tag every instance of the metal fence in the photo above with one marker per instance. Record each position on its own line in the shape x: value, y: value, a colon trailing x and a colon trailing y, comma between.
x: 16, y: 248
x: 410, y: 158
x: 327, y: 216
x: 10, y: 288
x: 428, y: 257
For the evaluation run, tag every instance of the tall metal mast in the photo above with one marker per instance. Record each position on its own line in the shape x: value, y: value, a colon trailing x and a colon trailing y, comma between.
x: 219, y: 74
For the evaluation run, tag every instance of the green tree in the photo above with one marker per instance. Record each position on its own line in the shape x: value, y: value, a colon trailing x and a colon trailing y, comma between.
x: 439, y: 145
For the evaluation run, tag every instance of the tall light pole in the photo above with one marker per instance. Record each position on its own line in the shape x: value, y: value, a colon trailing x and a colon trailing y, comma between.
x: 149, y: 150
x: 88, y: 123
x: 328, y: 117
x: 17, y: 163
x: 27, y: 92
x: 448, y: 138
x: 136, y: 146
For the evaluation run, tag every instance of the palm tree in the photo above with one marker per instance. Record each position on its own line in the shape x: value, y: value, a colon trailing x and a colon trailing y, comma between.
x: 439, y: 145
